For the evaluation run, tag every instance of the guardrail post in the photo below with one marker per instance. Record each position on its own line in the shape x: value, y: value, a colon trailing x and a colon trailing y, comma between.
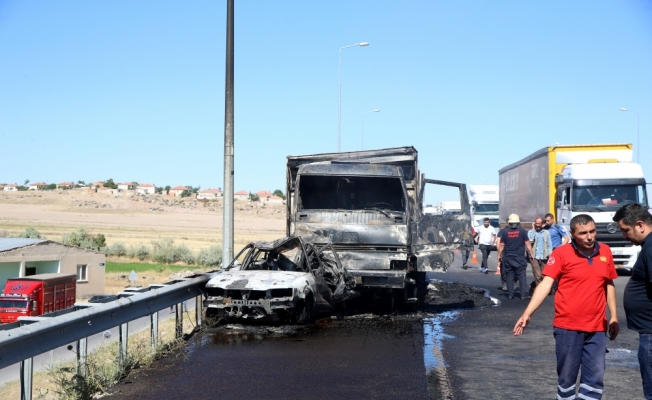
x: 123, y: 339
x: 198, y: 310
x: 26, y: 370
x: 81, y: 356
x: 153, y: 330
x: 178, y: 331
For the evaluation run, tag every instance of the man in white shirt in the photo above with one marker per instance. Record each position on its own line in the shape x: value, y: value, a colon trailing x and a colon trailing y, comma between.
x: 486, y: 241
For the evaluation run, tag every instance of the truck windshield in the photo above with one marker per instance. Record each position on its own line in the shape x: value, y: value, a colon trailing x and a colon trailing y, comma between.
x: 319, y: 192
x: 607, y: 197
x: 487, y: 208
x: 13, y: 304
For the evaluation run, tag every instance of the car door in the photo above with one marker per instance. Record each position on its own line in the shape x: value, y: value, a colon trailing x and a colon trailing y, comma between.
x: 436, y: 235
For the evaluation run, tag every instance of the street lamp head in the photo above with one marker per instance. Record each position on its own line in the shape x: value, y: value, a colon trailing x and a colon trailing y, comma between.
x: 623, y: 109
x: 363, y: 44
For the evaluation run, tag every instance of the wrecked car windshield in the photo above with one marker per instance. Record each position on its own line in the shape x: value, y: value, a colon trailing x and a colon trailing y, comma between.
x: 318, y: 192
x: 284, y: 258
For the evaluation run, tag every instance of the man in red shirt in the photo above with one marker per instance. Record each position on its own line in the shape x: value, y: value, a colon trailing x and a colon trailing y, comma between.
x: 585, y: 270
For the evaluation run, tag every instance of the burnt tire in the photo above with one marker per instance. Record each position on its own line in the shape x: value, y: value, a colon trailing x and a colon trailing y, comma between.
x: 303, y: 312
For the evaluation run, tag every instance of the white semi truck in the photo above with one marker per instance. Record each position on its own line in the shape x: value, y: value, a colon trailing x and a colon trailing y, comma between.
x: 567, y: 180
x: 484, y: 204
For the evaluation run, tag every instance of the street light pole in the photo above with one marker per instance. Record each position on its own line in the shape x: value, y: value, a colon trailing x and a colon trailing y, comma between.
x: 339, y: 103
x: 362, y: 135
x: 638, y: 134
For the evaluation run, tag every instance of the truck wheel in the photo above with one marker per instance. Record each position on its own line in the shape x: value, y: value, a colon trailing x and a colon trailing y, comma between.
x: 418, y: 290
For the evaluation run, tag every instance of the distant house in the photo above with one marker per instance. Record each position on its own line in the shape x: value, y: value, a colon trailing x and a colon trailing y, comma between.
x: 97, y: 184
x: 24, y: 257
x: 65, y: 185
x: 177, y: 190
x: 209, y: 194
x: 12, y: 187
x: 106, y: 190
x: 264, y: 193
x: 126, y: 186
x: 241, y: 195
x: 37, y: 186
x: 270, y: 199
x: 146, y: 188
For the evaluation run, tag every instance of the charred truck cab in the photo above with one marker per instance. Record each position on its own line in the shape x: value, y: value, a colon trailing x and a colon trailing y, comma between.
x: 369, y: 205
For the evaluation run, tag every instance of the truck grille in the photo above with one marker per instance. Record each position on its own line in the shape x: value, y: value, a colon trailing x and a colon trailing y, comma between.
x: 612, y: 239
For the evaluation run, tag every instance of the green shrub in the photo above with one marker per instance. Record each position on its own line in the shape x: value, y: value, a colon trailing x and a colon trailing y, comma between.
x: 30, y: 233
x: 211, y: 256
x: 81, y: 238
x: 165, y: 251
x: 140, y: 252
x: 117, y: 249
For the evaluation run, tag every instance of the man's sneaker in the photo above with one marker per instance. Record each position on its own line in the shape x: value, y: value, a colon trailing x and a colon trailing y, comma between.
x: 464, y: 266
x: 483, y: 270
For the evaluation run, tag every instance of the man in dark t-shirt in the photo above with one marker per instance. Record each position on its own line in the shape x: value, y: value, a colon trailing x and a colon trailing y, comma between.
x: 511, y: 254
x: 635, y: 222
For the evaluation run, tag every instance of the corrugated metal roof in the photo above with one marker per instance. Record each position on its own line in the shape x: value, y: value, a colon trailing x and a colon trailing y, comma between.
x: 15, y: 243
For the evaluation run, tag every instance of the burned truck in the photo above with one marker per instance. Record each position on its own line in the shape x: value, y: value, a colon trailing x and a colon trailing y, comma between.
x: 288, y: 281
x: 369, y: 205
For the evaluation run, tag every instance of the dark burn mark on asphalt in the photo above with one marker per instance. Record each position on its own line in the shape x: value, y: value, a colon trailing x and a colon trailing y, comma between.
x: 345, y: 356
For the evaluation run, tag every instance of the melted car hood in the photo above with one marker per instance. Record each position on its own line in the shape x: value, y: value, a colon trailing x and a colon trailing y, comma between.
x: 260, y: 280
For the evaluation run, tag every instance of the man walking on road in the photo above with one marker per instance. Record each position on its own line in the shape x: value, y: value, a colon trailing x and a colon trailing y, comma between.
x: 558, y: 235
x: 486, y: 240
x: 585, y: 270
x: 511, y: 255
x: 542, y: 248
x: 635, y: 222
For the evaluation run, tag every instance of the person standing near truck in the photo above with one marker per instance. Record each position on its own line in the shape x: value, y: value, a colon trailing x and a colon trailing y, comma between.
x: 635, y: 223
x: 585, y: 270
x: 559, y: 237
x: 542, y: 248
x: 511, y: 254
x: 486, y: 240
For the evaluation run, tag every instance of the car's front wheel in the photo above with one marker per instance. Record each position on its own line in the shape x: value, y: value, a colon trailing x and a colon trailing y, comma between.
x: 303, y: 311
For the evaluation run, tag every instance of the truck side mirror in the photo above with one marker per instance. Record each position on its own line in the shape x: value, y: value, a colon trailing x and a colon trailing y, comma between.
x: 557, y: 204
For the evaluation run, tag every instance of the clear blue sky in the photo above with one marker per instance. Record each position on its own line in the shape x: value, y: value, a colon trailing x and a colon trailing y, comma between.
x: 134, y: 90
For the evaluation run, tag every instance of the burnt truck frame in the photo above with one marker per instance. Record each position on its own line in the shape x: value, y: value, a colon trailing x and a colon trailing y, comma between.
x: 377, y: 225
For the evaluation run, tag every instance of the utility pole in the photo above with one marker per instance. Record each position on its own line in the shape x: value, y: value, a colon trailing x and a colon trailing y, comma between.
x: 227, y: 212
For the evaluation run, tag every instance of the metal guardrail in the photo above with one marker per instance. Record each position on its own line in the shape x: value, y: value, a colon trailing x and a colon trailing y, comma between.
x: 21, y: 341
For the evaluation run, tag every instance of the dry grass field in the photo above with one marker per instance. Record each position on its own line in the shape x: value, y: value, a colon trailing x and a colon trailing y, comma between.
x: 137, y: 219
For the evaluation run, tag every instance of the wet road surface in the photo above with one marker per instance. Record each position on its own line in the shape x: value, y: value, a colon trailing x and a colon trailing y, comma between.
x: 465, y: 354
x: 357, y: 358
x: 485, y: 360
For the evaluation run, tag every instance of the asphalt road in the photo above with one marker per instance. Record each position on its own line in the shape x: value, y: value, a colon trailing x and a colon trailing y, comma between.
x: 465, y: 354
x: 485, y: 360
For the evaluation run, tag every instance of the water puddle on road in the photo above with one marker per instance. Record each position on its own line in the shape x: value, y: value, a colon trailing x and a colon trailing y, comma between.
x: 623, y: 358
x: 436, y: 369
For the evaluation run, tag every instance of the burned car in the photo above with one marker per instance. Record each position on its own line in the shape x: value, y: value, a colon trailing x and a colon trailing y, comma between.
x: 288, y: 280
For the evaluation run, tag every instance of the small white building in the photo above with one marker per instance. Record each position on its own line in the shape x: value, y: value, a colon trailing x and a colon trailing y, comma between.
x: 126, y: 186
x: 209, y: 194
x: 271, y: 199
x: 37, y: 186
x: 24, y: 257
x: 241, y: 195
x: 177, y: 190
x: 146, y: 188
x: 96, y: 185
x: 65, y: 185
x: 11, y: 187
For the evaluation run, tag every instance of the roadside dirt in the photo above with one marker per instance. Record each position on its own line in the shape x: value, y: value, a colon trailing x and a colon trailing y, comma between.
x: 137, y: 219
